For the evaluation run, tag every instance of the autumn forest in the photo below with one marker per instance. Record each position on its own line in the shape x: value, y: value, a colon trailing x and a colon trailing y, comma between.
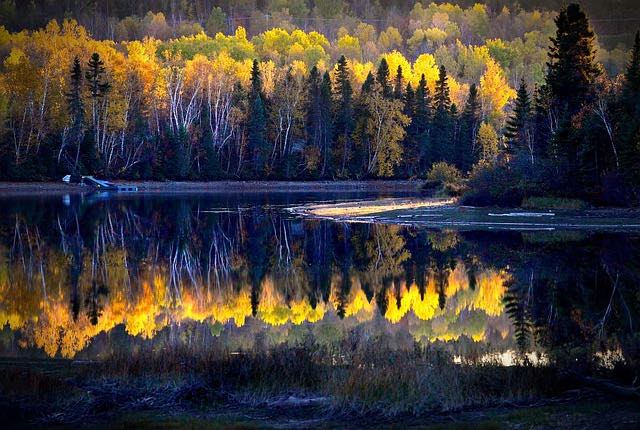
x: 525, y: 100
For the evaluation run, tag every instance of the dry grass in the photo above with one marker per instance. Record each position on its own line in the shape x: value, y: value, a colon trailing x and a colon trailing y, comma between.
x: 362, y: 208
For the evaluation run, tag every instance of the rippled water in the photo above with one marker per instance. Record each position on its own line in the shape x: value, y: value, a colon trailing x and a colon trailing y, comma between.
x: 82, y: 277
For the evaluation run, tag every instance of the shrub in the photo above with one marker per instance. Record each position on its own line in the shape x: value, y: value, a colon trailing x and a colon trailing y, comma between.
x: 492, y: 184
x: 554, y: 203
x: 445, y: 179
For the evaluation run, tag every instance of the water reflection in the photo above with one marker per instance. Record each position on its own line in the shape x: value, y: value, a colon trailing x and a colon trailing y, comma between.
x: 89, y: 277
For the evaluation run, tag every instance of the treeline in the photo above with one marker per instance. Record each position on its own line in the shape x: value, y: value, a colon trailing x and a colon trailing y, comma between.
x: 200, y: 108
x: 105, y: 19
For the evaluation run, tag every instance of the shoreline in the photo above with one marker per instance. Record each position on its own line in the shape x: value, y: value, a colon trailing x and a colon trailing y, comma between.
x: 221, y: 187
x: 443, y: 213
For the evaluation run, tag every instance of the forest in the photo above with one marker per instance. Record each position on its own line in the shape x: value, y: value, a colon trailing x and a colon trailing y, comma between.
x: 497, y: 102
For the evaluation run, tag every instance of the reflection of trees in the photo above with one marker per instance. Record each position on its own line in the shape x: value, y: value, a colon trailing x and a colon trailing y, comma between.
x: 150, y: 264
x: 578, y: 297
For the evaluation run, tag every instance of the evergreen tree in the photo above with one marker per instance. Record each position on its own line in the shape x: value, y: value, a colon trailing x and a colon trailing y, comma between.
x: 441, y: 98
x: 368, y: 84
x: 361, y: 118
x: 629, y: 120
x: 440, y: 147
x: 76, y: 112
x: 571, y: 77
x: 422, y: 115
x: 344, y: 112
x: 518, y: 128
x: 257, y: 122
x: 313, y: 111
x: 178, y: 159
x: 467, y: 152
x: 572, y: 67
x: 99, y: 88
x: 95, y: 75
x: 632, y: 75
x: 410, y: 144
x: 326, y: 124
x: 382, y: 78
x: 397, y: 90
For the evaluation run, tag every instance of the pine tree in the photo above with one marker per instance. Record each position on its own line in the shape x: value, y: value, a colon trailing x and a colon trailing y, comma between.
x: 382, y: 78
x: 397, y: 90
x: 440, y: 147
x: 572, y: 67
x: 313, y: 112
x: 361, y: 118
x: 76, y: 112
x: 368, y: 84
x: 571, y: 77
x: 632, y: 77
x: 257, y: 121
x: 629, y: 120
x: 467, y: 152
x: 422, y: 115
x: 441, y: 98
x: 99, y: 88
x: 95, y: 75
x: 344, y: 111
x: 326, y: 124
x: 410, y: 145
x: 518, y: 128
x: 633, y: 69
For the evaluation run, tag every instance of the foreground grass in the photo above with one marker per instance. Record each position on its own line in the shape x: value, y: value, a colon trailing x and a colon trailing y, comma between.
x: 554, y: 203
x: 363, y: 383
x: 360, y: 380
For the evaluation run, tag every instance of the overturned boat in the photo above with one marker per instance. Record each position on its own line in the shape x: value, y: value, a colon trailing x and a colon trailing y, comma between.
x: 99, y: 184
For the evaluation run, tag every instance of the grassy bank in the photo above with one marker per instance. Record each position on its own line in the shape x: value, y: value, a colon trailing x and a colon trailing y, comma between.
x: 365, y: 384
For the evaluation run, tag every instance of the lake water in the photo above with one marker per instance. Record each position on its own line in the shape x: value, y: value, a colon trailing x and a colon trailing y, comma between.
x: 84, y: 276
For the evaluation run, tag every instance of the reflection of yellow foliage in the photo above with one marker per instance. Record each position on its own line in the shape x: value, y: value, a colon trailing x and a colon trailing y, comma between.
x: 147, y: 305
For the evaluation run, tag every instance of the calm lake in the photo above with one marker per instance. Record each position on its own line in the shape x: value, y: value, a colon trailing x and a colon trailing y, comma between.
x: 85, y: 276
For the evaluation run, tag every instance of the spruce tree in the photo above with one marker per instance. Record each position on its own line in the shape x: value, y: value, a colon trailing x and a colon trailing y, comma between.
x: 397, y: 90
x: 572, y: 67
x: 257, y: 121
x: 382, y: 77
x: 422, y: 115
x: 344, y: 111
x: 467, y: 153
x: 632, y: 75
x: 99, y: 88
x: 633, y: 69
x: 361, y: 116
x: 629, y: 120
x: 440, y: 145
x: 571, y: 77
x: 517, y: 131
x: 326, y: 124
x: 368, y: 84
x: 76, y: 112
x: 410, y: 145
x: 441, y: 98
x: 313, y: 113
x: 95, y: 75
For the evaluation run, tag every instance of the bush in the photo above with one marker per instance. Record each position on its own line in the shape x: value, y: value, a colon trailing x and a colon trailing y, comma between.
x: 553, y: 203
x: 491, y: 184
x: 444, y: 178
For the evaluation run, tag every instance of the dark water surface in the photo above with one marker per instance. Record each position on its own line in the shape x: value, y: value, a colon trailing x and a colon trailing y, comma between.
x: 84, y: 277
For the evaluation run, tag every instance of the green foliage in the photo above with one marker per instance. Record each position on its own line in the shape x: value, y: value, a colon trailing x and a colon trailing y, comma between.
x: 446, y: 178
x: 554, y: 203
x: 217, y: 22
x: 518, y: 130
